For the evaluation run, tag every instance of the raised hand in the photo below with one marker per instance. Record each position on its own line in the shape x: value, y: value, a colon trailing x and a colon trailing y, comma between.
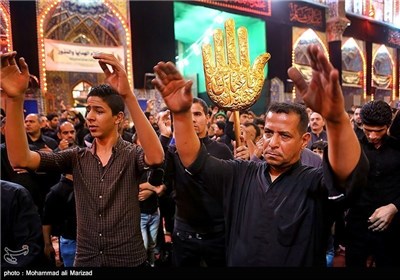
x: 118, y: 78
x: 163, y: 120
x: 323, y: 94
x: 14, y: 79
x: 150, y: 105
x: 233, y: 84
x: 174, y: 89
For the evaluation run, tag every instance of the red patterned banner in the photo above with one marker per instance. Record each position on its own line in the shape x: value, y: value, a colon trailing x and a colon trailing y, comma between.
x: 259, y: 7
x: 306, y: 14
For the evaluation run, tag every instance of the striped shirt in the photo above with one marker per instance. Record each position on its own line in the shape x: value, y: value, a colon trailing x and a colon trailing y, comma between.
x: 107, y: 206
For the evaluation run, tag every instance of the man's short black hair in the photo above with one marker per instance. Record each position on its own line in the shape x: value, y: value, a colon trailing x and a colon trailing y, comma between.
x: 221, y: 125
x: 51, y: 116
x: 376, y: 113
x: 291, y: 107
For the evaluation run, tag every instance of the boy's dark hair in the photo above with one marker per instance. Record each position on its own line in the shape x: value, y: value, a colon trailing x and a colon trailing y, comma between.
x: 290, y: 107
x: 109, y: 96
x: 221, y: 125
x: 376, y: 113
x: 320, y: 145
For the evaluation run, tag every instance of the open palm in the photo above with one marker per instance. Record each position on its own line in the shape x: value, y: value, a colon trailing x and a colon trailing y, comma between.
x: 323, y: 94
x: 175, y: 90
x: 14, y: 79
x: 231, y: 83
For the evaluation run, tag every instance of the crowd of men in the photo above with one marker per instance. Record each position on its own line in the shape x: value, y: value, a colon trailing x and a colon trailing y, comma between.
x: 301, y: 185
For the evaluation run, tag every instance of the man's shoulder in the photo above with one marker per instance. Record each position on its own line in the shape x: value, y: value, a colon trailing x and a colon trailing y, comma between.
x: 11, y: 189
x: 219, y: 149
x: 309, y: 158
x: 50, y: 142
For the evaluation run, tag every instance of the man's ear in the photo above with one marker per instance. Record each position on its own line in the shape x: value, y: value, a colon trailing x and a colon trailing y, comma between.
x: 305, y: 139
x: 120, y: 118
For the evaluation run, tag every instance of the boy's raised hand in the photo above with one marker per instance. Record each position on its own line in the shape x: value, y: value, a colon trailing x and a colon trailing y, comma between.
x: 118, y: 78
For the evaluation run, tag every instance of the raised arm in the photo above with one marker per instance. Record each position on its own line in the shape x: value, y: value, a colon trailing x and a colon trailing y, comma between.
x: 324, y: 95
x: 154, y: 154
x: 14, y: 82
x: 178, y: 97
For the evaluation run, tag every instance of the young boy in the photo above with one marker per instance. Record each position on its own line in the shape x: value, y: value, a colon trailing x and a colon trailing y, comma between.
x: 106, y: 176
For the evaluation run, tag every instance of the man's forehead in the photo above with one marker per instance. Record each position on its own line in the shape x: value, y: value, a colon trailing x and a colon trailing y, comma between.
x: 288, y: 121
x: 196, y: 108
x: 271, y: 114
x: 32, y: 117
x: 375, y: 127
x: 66, y: 125
x: 315, y: 115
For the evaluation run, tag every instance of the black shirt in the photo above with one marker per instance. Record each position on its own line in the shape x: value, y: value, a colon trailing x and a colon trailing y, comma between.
x: 282, y: 223
x: 21, y: 229
x: 42, y: 142
x: 383, y: 185
x: 196, y: 209
x: 150, y: 205
x: 59, y: 209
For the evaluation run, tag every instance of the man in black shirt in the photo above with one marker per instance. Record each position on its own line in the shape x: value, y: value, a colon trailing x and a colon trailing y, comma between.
x: 357, y: 123
x: 373, y: 223
x: 277, y: 213
x: 59, y: 214
x: 199, y: 231
x: 21, y: 233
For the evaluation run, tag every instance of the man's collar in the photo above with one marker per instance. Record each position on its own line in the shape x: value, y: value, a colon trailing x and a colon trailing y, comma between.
x: 118, y: 145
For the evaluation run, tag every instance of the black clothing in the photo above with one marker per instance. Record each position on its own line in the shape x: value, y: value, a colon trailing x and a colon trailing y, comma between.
x: 44, y: 179
x: 195, y: 207
x: 28, y: 179
x: 59, y: 209
x: 359, y: 132
x: 198, y: 213
x: 150, y: 205
x: 383, y: 185
x: 227, y: 141
x: 230, y: 134
x: 282, y: 223
x: 314, y: 138
x: 21, y: 229
x: 394, y: 129
x: 187, y: 245
x: 381, y: 188
x: 42, y: 142
x: 50, y: 133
